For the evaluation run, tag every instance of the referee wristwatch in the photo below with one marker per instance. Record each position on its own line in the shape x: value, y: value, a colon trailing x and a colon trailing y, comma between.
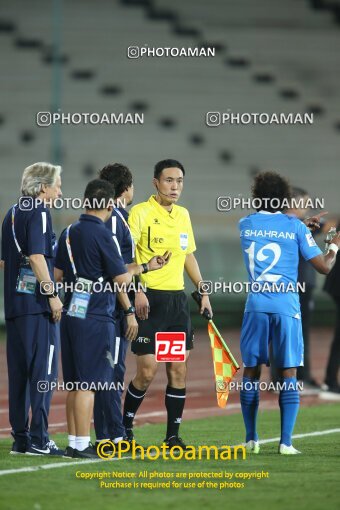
x: 131, y: 310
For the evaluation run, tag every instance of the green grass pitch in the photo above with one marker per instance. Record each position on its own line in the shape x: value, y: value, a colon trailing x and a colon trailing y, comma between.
x: 310, y: 481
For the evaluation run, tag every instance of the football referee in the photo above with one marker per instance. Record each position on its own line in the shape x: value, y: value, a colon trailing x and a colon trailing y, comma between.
x: 157, y: 225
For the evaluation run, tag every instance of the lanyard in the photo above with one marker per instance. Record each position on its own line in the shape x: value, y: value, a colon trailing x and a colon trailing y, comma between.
x: 127, y: 226
x: 13, y: 230
x: 68, y: 246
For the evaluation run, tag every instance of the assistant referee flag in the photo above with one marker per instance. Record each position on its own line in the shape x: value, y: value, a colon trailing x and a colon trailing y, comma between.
x: 225, y: 365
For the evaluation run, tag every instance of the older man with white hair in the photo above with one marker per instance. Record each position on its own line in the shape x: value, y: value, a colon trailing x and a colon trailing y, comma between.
x: 31, y: 314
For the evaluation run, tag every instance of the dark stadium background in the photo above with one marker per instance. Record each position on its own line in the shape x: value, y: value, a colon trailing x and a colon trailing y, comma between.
x: 271, y: 56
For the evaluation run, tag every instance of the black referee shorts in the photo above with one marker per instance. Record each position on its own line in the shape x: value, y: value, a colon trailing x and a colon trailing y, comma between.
x: 169, y: 311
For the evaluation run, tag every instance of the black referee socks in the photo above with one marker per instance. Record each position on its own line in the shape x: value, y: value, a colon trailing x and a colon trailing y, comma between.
x: 133, y: 400
x: 174, y: 403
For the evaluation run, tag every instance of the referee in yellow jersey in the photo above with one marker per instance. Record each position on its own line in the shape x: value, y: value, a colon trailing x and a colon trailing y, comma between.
x: 158, y: 225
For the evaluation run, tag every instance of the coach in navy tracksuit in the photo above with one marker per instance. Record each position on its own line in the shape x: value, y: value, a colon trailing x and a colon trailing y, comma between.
x: 31, y: 316
x: 108, y: 419
x: 87, y: 254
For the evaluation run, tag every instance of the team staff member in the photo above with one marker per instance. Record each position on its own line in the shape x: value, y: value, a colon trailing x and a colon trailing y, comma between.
x: 307, y: 277
x: 108, y: 418
x: 331, y: 388
x: 87, y: 254
x: 156, y: 225
x: 27, y: 251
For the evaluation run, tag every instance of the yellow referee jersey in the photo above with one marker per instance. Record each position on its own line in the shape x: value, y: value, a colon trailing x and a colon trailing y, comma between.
x: 156, y: 230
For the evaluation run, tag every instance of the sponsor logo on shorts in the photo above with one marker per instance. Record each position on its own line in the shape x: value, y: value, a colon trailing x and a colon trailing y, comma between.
x: 170, y: 346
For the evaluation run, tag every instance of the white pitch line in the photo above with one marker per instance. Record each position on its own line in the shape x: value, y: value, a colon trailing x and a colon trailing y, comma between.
x: 80, y: 462
x: 154, y: 414
x: 299, y: 436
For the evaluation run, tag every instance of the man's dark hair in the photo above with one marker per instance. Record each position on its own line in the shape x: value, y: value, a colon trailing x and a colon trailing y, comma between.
x: 119, y: 175
x: 167, y: 163
x: 99, y: 194
x: 298, y: 192
x: 272, y: 187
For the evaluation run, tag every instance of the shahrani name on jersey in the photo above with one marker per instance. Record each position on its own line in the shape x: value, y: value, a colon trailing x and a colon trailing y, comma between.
x: 271, y: 243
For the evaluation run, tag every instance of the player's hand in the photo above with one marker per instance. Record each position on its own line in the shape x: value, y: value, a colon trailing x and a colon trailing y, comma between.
x: 142, y: 305
x: 56, y: 308
x: 159, y: 261
x: 2, y: 264
x: 132, y: 327
x: 205, y: 303
x: 313, y: 222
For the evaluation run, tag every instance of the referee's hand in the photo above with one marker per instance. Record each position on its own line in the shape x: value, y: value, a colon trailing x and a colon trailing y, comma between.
x: 159, y: 261
x: 205, y: 303
x: 132, y: 327
x: 142, y: 305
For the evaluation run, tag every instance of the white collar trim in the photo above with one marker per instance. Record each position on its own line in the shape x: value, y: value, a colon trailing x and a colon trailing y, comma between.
x: 267, y: 212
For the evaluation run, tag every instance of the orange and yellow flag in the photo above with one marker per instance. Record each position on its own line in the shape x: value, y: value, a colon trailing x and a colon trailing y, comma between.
x: 225, y: 365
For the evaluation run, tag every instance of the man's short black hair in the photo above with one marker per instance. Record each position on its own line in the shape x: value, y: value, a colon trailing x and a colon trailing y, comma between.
x: 167, y: 163
x: 99, y: 194
x: 119, y: 175
x: 271, y: 191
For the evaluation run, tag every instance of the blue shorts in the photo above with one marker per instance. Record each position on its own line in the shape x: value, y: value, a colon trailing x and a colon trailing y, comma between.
x: 86, y: 347
x: 284, y: 333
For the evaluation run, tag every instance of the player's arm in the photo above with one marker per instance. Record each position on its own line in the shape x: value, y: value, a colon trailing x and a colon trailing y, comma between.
x: 131, y: 323
x: 193, y: 271
x: 324, y: 263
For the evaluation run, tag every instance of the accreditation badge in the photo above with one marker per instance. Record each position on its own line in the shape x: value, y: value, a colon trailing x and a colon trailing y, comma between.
x: 183, y: 241
x: 26, y: 281
x: 80, y: 298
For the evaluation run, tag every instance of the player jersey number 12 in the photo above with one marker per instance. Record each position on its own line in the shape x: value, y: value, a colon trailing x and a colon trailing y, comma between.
x: 261, y: 257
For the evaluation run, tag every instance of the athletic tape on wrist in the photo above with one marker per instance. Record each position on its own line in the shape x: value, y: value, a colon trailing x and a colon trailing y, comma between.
x: 333, y: 247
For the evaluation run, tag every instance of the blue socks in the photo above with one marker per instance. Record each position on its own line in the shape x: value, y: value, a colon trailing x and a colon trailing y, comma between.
x: 289, y: 401
x: 249, y: 396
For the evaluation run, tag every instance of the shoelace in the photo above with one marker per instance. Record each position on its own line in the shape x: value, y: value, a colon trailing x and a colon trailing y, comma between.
x: 51, y: 445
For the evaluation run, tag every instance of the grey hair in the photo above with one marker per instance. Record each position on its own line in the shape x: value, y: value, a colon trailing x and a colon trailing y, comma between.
x: 36, y: 175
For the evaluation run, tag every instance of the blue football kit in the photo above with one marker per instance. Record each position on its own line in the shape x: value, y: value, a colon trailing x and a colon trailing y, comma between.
x: 271, y: 243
